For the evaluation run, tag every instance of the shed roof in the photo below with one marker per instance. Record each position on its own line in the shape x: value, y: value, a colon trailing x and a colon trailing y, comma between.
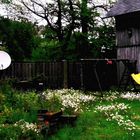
x: 123, y: 7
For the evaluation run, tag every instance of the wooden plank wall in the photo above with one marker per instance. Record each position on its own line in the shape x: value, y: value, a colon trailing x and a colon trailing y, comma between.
x: 131, y: 53
x: 124, y: 40
x: 128, y: 30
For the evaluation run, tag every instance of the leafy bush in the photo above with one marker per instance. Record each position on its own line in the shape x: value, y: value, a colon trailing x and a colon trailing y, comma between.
x: 8, y: 132
x: 20, y: 130
x: 27, y: 101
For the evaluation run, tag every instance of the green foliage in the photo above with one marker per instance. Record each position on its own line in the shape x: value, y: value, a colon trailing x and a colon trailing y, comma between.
x: 116, y: 115
x: 2, y: 98
x: 92, y: 126
x: 18, y: 37
x: 6, y: 1
x: 10, y: 132
x: 76, y: 50
x: 13, y: 115
x: 95, y: 125
x: 77, y: 33
x: 28, y: 101
x: 16, y: 132
x: 14, y: 107
x: 103, y: 37
x: 47, y: 50
x: 7, y: 93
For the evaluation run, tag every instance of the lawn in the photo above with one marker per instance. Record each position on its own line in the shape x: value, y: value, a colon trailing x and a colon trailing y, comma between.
x: 114, y: 116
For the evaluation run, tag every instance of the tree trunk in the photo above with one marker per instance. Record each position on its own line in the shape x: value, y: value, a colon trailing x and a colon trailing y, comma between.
x: 84, y: 25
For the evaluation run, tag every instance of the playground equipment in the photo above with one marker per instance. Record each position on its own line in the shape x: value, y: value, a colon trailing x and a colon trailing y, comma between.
x: 106, y: 71
x: 126, y: 79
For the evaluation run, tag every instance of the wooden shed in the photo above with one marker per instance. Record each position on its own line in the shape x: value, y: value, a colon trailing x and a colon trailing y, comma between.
x: 127, y: 17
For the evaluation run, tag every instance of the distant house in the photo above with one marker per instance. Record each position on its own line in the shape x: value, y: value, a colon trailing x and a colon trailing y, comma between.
x: 127, y: 17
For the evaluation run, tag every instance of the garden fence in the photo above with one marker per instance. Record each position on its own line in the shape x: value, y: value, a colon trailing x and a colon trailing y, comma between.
x: 65, y: 74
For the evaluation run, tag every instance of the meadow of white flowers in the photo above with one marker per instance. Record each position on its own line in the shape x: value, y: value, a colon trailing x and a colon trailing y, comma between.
x: 111, y: 105
x: 26, y: 126
x: 115, y: 111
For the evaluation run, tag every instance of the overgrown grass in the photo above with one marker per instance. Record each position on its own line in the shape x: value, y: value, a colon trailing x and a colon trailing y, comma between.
x: 115, y: 116
x: 91, y: 126
x: 94, y: 125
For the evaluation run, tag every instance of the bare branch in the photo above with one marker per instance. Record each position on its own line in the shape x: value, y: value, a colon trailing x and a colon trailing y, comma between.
x: 43, y: 14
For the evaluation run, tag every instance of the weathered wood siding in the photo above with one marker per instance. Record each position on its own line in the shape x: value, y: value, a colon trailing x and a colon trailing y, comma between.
x: 131, y: 53
x: 126, y: 24
x: 128, y: 37
x: 123, y: 39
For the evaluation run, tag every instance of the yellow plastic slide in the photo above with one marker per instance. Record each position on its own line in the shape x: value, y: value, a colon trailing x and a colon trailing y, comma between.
x: 136, y: 77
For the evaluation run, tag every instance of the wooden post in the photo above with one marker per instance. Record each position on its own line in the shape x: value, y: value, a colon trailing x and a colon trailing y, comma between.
x: 81, y: 75
x: 65, y: 74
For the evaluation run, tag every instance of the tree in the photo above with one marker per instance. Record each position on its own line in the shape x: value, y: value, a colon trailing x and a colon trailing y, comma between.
x: 64, y: 18
x: 18, y: 37
x: 5, y: 1
x: 54, y: 14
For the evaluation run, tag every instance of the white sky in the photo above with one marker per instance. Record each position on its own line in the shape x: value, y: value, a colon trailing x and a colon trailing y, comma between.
x: 4, y: 12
